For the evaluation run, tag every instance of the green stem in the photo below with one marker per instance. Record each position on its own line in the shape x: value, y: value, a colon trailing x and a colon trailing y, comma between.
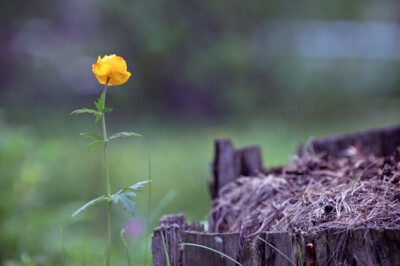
x: 126, y: 246
x: 109, y: 233
x: 148, y: 214
x: 105, y: 145
x: 63, y: 245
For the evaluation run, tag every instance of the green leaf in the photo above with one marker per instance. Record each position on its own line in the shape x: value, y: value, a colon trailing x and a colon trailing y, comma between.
x: 125, y: 196
x: 100, y: 103
x: 139, y: 185
x: 88, y: 204
x: 84, y: 110
x: 92, y: 135
x: 134, y: 187
x: 126, y: 200
x: 124, y: 134
x: 94, y: 144
x: 91, y: 111
x: 106, y: 110
x: 100, y: 107
x: 98, y: 117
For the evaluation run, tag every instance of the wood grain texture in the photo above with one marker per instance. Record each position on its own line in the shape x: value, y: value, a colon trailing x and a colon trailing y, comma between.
x: 249, y: 162
x: 223, y: 166
x: 381, y: 142
x: 285, y: 242
x: 230, y: 163
x: 172, y: 238
x: 226, y: 243
x: 362, y: 246
x: 172, y: 228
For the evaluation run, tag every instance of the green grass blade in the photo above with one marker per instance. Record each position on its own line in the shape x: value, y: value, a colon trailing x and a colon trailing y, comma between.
x: 126, y: 246
x: 362, y: 172
x: 164, y: 202
x: 300, y: 257
x: 280, y: 252
x: 216, y: 251
x: 63, y: 245
x: 148, y: 214
x: 104, y: 259
x: 165, y: 250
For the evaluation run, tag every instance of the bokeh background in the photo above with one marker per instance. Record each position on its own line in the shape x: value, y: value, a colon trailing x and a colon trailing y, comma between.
x: 271, y: 73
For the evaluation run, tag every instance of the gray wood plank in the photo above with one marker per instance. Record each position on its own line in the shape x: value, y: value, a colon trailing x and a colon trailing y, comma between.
x: 284, y: 242
x: 231, y: 247
x: 223, y: 166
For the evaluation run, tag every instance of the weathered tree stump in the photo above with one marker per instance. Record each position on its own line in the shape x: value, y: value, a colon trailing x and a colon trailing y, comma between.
x: 230, y: 163
x: 339, y: 246
x: 172, y: 228
x: 378, y: 141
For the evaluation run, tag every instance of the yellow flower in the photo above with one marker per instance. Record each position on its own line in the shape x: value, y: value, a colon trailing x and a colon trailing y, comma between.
x: 111, y: 67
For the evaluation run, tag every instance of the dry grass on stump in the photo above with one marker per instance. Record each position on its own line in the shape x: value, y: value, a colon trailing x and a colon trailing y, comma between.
x: 315, y: 192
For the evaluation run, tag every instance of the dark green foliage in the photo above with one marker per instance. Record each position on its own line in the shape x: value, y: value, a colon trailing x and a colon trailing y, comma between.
x: 100, y: 109
x: 100, y: 102
x: 94, y: 144
x: 92, y: 135
x: 124, y: 196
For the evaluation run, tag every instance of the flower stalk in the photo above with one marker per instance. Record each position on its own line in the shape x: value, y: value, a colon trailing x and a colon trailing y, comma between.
x: 111, y: 71
x: 105, y: 146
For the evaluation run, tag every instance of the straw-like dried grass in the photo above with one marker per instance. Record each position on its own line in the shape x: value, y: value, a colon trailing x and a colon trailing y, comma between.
x: 315, y: 192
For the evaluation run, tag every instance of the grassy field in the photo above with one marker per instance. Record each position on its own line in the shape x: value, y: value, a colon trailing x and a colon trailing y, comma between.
x: 46, y: 174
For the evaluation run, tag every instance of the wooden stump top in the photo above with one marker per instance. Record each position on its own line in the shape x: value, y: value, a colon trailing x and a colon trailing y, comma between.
x: 339, y: 246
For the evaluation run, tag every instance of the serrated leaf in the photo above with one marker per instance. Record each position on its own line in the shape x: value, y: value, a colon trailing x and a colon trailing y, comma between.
x: 94, y: 144
x: 139, y: 185
x: 98, y: 117
x: 127, y: 202
x: 100, y: 102
x: 92, y: 135
x: 124, y: 134
x: 134, y: 187
x: 116, y: 197
x: 88, y: 204
x: 125, y: 196
x: 84, y: 110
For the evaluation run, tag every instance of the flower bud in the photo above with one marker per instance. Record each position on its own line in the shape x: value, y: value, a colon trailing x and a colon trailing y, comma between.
x: 112, y: 68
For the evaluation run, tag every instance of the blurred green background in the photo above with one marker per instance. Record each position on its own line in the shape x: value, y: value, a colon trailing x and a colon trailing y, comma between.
x: 271, y: 73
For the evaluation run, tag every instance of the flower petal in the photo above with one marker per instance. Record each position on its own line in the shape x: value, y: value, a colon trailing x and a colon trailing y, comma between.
x: 117, y: 78
x: 102, y: 79
x: 111, y: 67
x: 102, y: 69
